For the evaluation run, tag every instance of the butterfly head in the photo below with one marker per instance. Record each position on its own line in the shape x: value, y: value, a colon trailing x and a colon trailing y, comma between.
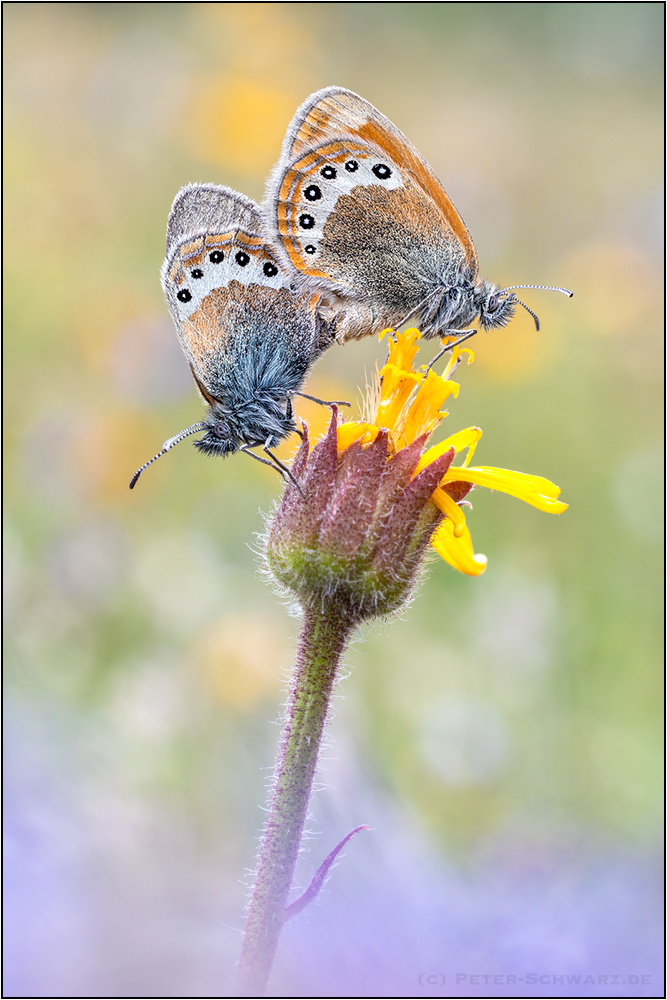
x: 496, y: 306
x: 260, y: 421
x: 221, y: 434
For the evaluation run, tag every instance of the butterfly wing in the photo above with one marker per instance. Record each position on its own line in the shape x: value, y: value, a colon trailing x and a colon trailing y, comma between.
x: 337, y: 111
x: 358, y: 211
x: 241, y: 325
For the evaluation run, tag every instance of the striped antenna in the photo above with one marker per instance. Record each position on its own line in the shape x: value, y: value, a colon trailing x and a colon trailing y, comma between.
x: 534, y: 315
x: 166, y: 447
x: 545, y: 288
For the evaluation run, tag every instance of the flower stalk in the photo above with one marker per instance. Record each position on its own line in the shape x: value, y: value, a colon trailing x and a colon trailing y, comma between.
x: 324, y: 635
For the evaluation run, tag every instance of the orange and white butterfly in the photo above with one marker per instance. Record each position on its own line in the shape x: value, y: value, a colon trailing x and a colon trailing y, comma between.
x: 362, y: 218
x: 250, y: 338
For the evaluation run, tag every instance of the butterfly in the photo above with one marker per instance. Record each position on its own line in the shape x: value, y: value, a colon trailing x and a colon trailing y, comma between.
x: 361, y: 217
x: 250, y: 338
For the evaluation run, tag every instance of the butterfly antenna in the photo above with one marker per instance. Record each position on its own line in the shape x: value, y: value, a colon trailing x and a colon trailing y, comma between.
x: 537, y: 322
x: 166, y: 447
x: 545, y: 288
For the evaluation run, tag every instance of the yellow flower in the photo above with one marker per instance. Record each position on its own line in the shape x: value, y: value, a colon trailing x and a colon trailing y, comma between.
x: 407, y: 403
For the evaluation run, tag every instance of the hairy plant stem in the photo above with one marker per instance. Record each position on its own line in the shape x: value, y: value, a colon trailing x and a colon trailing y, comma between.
x: 324, y: 635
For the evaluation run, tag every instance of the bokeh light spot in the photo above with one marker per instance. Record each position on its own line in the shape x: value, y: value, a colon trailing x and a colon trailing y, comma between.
x: 238, y: 124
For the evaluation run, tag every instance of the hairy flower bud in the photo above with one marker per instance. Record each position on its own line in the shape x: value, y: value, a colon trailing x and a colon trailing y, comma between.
x: 356, y: 532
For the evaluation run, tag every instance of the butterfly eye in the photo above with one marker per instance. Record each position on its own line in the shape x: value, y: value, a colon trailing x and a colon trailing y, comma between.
x: 492, y: 304
x: 184, y: 295
x: 270, y: 270
x: 351, y: 165
x: 306, y: 221
x: 216, y: 257
x: 242, y: 258
x: 221, y: 429
x: 382, y: 171
x: 197, y: 273
x: 313, y: 193
x: 329, y: 172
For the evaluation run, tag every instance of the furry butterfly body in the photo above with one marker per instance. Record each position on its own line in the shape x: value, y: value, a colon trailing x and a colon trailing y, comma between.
x: 359, y: 214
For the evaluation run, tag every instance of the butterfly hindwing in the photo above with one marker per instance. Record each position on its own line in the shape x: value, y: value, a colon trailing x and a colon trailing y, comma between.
x: 240, y: 323
x: 312, y: 188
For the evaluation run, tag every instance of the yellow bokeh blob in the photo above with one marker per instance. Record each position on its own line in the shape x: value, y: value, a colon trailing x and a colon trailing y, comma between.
x: 239, y: 658
x: 238, y: 124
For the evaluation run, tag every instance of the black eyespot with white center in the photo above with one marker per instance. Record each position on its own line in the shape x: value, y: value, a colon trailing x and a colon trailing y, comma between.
x: 382, y: 171
x: 270, y: 270
x: 184, y: 295
x: 216, y: 257
x: 313, y: 193
x: 329, y: 172
x: 351, y: 165
x: 310, y: 248
x: 306, y: 221
x: 242, y: 258
x: 197, y: 273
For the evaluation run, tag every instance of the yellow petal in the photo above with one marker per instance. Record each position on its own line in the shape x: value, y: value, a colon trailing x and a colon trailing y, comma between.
x: 535, y: 490
x: 458, y: 552
x: 451, y: 509
x: 355, y: 430
x: 424, y: 414
x: 395, y: 391
x: 402, y: 351
x: 394, y: 378
x: 456, y: 353
x: 462, y: 439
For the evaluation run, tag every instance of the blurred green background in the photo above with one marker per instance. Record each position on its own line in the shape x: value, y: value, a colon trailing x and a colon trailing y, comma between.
x: 503, y: 737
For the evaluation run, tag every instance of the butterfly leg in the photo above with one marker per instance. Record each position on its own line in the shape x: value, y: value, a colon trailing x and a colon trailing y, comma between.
x: 275, y: 464
x: 324, y: 402
x: 289, y: 413
x: 466, y: 335
x: 280, y: 466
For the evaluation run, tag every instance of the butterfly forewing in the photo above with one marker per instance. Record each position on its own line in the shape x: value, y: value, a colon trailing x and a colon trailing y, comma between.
x: 335, y: 113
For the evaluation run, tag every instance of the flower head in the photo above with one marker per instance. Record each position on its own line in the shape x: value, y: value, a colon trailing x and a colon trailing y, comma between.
x: 370, y: 499
x: 407, y: 403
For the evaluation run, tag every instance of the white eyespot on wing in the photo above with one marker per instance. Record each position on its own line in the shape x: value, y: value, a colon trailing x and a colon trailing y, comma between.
x: 319, y: 191
x: 192, y: 277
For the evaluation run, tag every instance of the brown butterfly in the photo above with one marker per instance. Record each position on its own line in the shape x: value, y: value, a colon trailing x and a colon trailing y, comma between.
x: 249, y: 336
x: 359, y: 214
